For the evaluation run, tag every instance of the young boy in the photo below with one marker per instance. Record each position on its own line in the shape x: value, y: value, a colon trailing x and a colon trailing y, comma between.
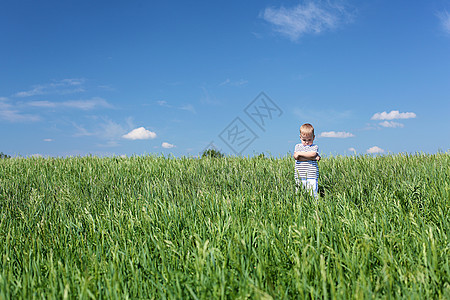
x: 306, y: 156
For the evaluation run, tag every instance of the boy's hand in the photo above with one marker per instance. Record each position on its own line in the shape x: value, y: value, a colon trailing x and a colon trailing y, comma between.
x: 318, y: 157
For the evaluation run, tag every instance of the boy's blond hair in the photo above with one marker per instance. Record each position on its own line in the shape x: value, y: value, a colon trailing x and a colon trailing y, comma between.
x: 307, y: 130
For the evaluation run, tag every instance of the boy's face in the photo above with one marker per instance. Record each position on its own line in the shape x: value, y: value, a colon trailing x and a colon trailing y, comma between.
x: 307, y: 140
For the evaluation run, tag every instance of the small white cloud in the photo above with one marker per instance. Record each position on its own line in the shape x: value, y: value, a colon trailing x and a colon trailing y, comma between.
x: 227, y: 81
x: 87, y: 104
x: 309, y: 18
x: 391, y: 124
x: 139, y: 134
x: 48, y: 140
x: 374, y: 149
x: 240, y: 82
x: 37, y: 90
x: 42, y: 104
x: 77, y: 104
x: 163, y: 103
x: 110, y: 130
x: 188, y: 107
x: 394, y: 114
x: 334, y: 134
x: 352, y: 149
x: 61, y: 87
x: 208, y: 98
x: 81, y: 131
x: 445, y: 21
x: 167, y: 145
x: 106, y: 129
x: 71, y: 81
x: 233, y: 83
x: 108, y: 88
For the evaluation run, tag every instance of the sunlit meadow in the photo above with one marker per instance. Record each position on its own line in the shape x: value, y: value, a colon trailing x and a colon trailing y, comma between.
x: 224, y: 228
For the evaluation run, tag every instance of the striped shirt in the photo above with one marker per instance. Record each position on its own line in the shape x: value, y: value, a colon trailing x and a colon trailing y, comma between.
x: 306, y: 169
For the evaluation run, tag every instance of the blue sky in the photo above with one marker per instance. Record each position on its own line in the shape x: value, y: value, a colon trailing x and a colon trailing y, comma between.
x: 176, y: 77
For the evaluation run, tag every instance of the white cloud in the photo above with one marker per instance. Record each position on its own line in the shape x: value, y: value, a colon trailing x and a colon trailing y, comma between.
x: 14, y: 112
x: 106, y: 130
x: 394, y: 114
x: 208, y: 98
x: 227, y: 81
x: 139, y: 134
x: 61, y: 87
x: 77, y: 104
x: 233, y: 83
x: 72, y: 81
x: 110, y: 130
x: 9, y: 113
x: 391, y: 124
x: 187, y: 107
x: 44, y: 103
x: 334, y: 134
x: 108, y: 88
x: 163, y: 103
x: 352, y: 149
x: 81, y: 131
x: 37, y: 90
x: 167, y: 145
x: 87, y: 104
x: 312, y: 17
x: 374, y: 149
x: 445, y: 21
x: 48, y: 140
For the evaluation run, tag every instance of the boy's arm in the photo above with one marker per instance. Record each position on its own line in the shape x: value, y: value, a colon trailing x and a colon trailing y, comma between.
x: 305, y: 159
x: 304, y: 156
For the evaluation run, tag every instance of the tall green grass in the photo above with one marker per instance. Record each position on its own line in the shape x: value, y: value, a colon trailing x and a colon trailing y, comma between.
x: 158, y: 227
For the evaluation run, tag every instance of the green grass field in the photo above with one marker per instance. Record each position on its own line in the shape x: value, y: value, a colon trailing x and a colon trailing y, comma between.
x: 233, y: 228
